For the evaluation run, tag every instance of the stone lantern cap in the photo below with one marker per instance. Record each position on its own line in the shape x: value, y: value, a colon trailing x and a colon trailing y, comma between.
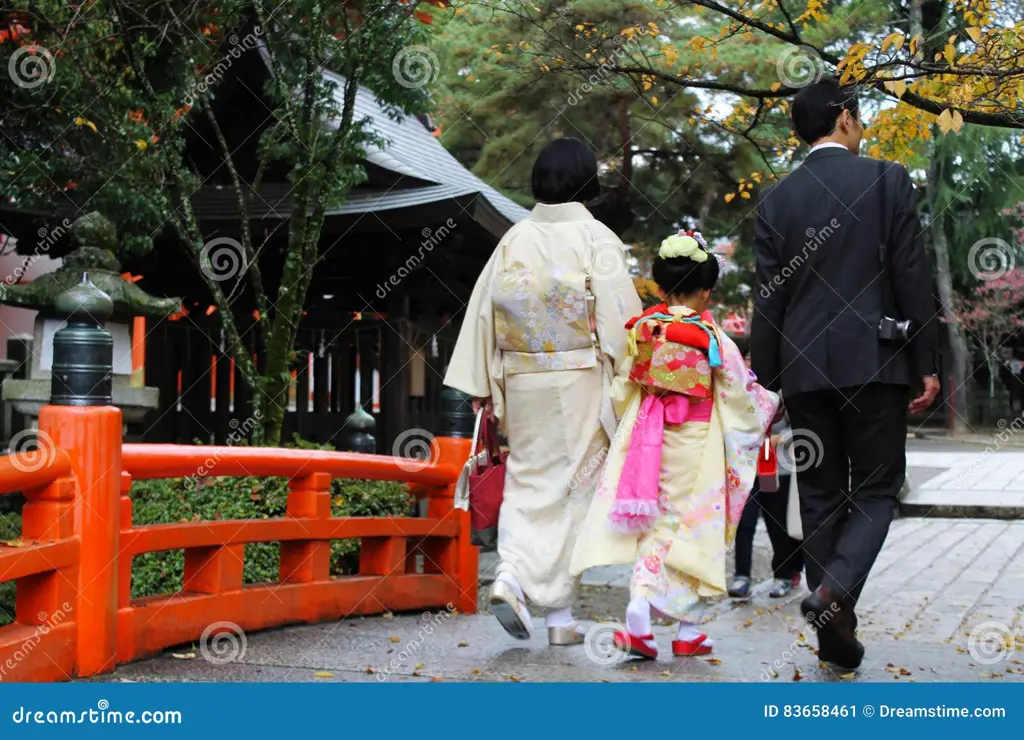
x: 94, y: 239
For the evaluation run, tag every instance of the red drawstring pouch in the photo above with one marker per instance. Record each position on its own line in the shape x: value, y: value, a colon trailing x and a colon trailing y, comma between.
x: 768, y: 468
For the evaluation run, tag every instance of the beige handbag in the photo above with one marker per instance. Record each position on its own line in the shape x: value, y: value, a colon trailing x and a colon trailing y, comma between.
x: 793, y: 524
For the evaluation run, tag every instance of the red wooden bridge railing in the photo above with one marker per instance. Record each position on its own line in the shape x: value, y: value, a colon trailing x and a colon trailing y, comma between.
x: 72, y: 565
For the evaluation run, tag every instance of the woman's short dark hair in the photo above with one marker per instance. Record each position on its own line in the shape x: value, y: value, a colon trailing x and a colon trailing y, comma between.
x: 683, y: 276
x: 817, y: 107
x: 565, y: 171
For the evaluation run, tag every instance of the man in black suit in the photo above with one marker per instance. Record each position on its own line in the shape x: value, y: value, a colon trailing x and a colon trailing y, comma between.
x: 839, y: 256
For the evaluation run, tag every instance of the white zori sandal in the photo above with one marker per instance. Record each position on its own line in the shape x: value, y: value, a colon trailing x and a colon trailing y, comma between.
x: 510, y: 609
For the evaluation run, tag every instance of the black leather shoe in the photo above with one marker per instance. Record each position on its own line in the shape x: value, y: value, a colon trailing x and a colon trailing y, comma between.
x: 834, y: 624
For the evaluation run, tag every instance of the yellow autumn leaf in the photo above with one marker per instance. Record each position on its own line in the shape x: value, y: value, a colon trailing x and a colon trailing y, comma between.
x: 579, y: 27
x: 729, y: 197
x: 654, y: 99
x: 895, y: 40
x: 776, y: 86
x: 896, y: 87
x: 394, y: 639
x: 945, y: 121
x: 323, y: 674
x: 141, y: 144
x: 745, y: 195
x: 79, y: 121
x: 975, y: 34
x: 950, y: 54
x: 958, y: 121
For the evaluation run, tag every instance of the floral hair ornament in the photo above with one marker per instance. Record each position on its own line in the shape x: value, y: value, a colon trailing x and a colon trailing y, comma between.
x: 682, y: 245
x: 696, y: 235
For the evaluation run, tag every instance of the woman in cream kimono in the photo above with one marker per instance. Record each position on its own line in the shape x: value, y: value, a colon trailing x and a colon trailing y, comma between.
x: 681, y: 465
x: 541, y: 341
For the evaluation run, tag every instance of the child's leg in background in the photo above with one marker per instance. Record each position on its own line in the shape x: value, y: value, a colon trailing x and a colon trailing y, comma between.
x: 745, y: 532
x: 787, y: 559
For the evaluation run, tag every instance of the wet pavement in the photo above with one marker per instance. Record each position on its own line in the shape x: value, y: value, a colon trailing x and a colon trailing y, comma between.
x: 944, y: 603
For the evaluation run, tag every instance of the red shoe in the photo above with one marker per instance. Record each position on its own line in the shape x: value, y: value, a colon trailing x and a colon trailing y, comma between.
x: 687, y: 648
x: 635, y: 646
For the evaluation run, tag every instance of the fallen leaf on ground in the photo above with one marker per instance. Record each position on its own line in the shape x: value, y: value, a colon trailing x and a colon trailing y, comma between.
x: 418, y: 666
x: 848, y: 676
x: 323, y: 674
x: 904, y: 672
x: 713, y: 661
x: 514, y: 678
x: 394, y: 639
x: 183, y: 656
x: 797, y: 675
x: 476, y: 671
x: 370, y: 670
x: 463, y: 643
x: 388, y: 615
x: 436, y: 679
x: 666, y: 674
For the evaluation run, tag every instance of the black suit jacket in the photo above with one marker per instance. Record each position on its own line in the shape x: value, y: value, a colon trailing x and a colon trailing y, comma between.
x: 823, y: 235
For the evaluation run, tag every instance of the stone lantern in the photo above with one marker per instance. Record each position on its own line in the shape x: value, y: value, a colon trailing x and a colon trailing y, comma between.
x: 94, y: 239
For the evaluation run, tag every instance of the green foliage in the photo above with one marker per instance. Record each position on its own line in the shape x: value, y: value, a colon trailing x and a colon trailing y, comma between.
x: 215, y: 499
x: 10, y: 529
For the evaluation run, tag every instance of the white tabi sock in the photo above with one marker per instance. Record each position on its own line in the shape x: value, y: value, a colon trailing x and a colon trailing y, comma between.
x: 559, y: 618
x: 509, y: 580
x: 688, y: 632
x: 638, y: 619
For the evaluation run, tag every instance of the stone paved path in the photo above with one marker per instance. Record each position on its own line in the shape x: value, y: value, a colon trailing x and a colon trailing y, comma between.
x: 979, y: 482
x: 939, y: 588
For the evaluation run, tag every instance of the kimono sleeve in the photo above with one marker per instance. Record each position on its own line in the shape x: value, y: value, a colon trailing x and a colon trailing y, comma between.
x: 472, y: 367
x: 615, y: 298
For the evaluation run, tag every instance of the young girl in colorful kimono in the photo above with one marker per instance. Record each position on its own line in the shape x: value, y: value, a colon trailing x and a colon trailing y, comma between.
x: 678, y: 472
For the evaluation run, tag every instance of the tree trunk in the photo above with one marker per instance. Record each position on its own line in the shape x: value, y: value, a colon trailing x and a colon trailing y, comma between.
x: 944, y: 280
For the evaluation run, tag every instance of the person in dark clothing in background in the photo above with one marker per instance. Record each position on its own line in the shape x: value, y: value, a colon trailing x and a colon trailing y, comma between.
x: 787, y: 555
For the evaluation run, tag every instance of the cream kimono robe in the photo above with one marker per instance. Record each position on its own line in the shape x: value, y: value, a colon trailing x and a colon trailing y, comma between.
x: 707, y: 470
x: 526, y: 343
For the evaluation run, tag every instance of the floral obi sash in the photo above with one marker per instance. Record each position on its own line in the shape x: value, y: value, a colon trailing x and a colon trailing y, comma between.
x: 674, y: 352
